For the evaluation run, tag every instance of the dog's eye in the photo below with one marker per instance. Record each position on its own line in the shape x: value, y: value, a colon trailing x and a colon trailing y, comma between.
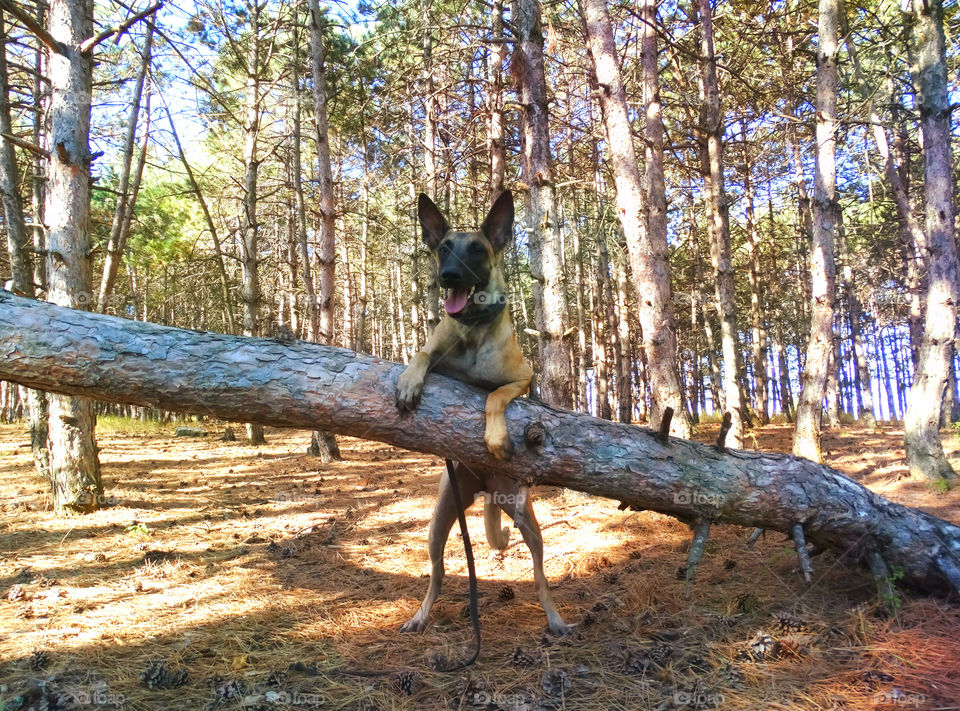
x: 443, y: 248
x: 476, y: 248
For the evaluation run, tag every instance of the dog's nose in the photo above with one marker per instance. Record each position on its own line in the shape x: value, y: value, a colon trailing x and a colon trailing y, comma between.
x: 450, y: 274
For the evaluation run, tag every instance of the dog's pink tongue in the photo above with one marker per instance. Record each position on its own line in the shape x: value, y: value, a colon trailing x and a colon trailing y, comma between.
x: 456, y: 301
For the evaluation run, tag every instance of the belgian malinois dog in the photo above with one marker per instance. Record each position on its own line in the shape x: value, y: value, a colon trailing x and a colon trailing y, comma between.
x: 475, y: 343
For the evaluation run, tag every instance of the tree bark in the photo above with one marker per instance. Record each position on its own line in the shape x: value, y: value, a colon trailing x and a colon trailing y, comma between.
x: 863, y: 380
x: 758, y: 340
x: 310, y: 385
x: 328, y: 207
x: 806, y: 440
x: 496, y: 147
x: 646, y: 237
x: 74, y: 468
x: 313, y: 313
x: 118, y: 237
x: 21, y: 265
x: 323, y: 444
x: 922, y: 421
x: 431, y: 113
x: 250, y: 227
x: 542, y: 218
x: 718, y: 219
x: 624, y: 355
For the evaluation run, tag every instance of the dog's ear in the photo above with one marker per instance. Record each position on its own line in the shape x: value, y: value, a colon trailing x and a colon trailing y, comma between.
x: 498, y: 227
x: 432, y: 221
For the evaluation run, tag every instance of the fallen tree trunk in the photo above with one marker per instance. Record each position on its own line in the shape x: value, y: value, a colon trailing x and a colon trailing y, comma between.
x: 323, y: 387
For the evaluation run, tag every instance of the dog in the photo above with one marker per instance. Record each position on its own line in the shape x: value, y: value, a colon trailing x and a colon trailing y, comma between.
x: 475, y: 343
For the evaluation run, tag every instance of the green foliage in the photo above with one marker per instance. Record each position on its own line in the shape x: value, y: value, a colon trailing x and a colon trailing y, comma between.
x: 130, y: 425
x: 138, y: 530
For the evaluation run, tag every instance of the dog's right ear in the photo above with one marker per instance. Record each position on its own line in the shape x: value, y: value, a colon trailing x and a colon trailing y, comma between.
x: 432, y: 221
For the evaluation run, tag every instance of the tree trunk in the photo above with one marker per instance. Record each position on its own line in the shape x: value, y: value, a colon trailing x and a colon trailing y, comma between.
x: 496, y: 147
x: 249, y: 227
x: 308, y: 385
x: 21, y: 265
x: 806, y: 440
x: 583, y: 319
x: 74, y: 468
x: 323, y: 444
x: 863, y: 380
x: 118, y: 237
x: 646, y: 239
x: 313, y: 312
x: 624, y: 395
x: 718, y: 219
x: 758, y: 340
x: 431, y: 113
x: 608, y: 322
x: 543, y: 225
x: 37, y: 197
x: 922, y: 421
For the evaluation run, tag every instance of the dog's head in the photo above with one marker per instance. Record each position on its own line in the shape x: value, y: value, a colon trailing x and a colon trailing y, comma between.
x: 468, y: 263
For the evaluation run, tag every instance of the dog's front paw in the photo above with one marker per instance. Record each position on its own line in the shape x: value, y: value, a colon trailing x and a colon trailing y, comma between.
x: 498, y: 442
x: 409, y: 389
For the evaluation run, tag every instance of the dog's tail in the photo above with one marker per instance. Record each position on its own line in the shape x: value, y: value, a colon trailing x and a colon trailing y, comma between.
x: 497, y: 537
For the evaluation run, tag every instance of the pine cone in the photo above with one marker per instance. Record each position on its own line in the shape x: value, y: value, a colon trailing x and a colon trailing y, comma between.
x: 748, y: 602
x: 788, y: 624
x: 154, y: 676
x: 660, y: 654
x: 54, y: 700
x: 635, y: 663
x: 276, y: 678
x: 39, y: 660
x: 732, y: 677
x: 762, y: 648
x: 506, y: 593
x: 157, y: 676
x: 176, y: 679
x: 522, y: 658
x: 555, y: 683
x: 405, y: 682
x: 231, y: 689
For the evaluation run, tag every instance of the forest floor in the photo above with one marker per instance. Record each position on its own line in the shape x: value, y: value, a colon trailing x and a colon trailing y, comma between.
x: 234, y: 577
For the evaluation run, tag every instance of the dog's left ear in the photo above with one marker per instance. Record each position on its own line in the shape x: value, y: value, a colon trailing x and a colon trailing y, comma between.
x: 498, y: 227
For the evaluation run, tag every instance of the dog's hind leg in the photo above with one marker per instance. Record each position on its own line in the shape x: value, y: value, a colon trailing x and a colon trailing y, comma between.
x: 519, y: 507
x: 444, y: 516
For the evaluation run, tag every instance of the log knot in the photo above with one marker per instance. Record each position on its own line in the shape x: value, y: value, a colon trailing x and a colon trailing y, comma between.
x: 535, y: 434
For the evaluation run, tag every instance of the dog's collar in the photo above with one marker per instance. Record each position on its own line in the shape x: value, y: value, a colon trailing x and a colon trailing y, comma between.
x: 482, y: 313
